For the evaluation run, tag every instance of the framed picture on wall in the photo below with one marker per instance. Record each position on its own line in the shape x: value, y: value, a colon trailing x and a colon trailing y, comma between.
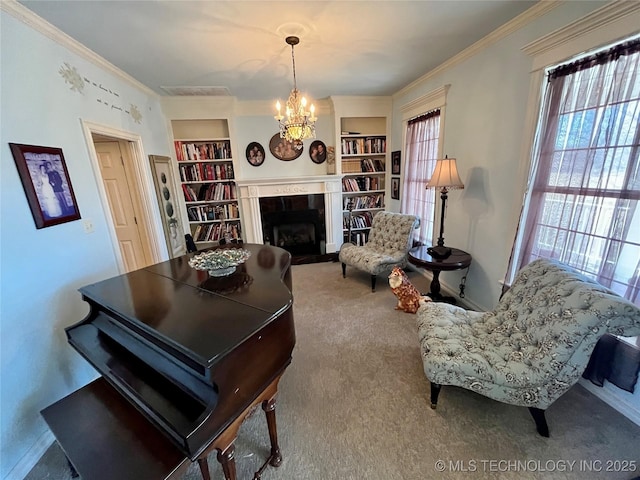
x: 395, y: 188
x: 45, y: 179
x: 283, y: 149
x: 255, y: 154
x: 317, y: 151
x: 168, y: 203
x: 395, y: 162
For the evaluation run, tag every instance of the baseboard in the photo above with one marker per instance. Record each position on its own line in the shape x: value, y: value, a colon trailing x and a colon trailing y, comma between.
x: 614, y: 401
x: 448, y: 290
x: 29, y: 460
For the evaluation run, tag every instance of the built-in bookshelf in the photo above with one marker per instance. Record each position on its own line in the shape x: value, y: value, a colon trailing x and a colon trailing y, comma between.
x: 207, y: 181
x: 363, y: 153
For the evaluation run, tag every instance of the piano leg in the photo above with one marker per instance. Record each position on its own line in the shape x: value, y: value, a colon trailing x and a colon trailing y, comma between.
x: 204, y: 468
x: 269, y: 408
x: 227, y: 459
x: 224, y: 443
x: 275, y: 459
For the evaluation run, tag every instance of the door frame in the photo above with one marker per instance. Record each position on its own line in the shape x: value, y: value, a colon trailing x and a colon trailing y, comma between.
x: 142, y: 181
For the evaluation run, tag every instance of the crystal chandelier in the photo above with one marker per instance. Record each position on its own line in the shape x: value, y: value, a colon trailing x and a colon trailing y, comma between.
x: 298, y: 123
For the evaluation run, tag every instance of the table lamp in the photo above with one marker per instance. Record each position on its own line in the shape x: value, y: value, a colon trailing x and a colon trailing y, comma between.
x: 445, y: 176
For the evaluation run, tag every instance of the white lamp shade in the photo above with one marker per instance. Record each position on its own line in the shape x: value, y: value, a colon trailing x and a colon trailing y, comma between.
x: 445, y: 174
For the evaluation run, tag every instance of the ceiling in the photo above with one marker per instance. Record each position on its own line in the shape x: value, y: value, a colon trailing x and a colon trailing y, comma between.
x: 346, y: 47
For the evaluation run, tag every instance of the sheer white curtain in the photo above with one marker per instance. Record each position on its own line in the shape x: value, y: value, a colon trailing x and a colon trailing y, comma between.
x: 421, y: 153
x: 585, y: 191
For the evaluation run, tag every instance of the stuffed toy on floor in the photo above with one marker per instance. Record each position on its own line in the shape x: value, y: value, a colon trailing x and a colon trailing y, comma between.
x: 409, y: 298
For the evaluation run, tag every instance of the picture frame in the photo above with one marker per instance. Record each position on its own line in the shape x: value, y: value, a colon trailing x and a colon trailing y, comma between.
x: 255, y: 154
x: 284, y: 150
x: 167, y: 196
x: 46, y: 183
x: 395, y: 188
x: 318, y: 152
x: 395, y: 162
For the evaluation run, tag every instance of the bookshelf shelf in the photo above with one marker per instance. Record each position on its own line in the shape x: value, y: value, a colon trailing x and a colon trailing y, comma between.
x: 363, y: 160
x: 207, y: 181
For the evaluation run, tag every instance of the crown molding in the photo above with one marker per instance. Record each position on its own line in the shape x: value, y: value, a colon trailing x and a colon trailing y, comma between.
x: 612, y: 22
x: 430, y: 101
x: 538, y: 10
x: 361, y: 105
x: 26, y: 16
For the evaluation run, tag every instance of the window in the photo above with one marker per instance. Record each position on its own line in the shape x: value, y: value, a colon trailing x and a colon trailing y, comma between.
x: 421, y: 149
x: 585, y: 187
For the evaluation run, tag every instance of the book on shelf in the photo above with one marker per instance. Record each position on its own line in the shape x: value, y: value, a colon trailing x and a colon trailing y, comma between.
x: 359, y: 238
x: 195, y: 151
x: 360, y: 220
x: 364, y: 202
x: 361, y: 184
x: 211, y: 192
x: 359, y: 146
x: 206, y: 213
x: 214, y: 232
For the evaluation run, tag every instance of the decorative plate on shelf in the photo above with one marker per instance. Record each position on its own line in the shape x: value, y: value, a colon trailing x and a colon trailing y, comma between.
x: 284, y: 150
x: 220, y: 262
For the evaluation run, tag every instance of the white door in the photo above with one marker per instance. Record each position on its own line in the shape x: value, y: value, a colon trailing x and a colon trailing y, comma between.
x: 123, y: 204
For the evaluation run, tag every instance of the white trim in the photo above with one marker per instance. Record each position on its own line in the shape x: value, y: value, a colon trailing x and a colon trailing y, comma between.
x: 608, y: 24
x: 607, y: 395
x: 525, y: 173
x: 447, y: 289
x: 31, y: 458
x: 251, y: 190
x: 539, y: 9
x: 430, y: 101
x: 26, y: 16
x: 150, y: 215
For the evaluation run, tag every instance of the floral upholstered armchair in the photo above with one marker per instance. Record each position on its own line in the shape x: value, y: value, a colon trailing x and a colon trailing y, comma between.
x: 533, y: 347
x: 388, y: 246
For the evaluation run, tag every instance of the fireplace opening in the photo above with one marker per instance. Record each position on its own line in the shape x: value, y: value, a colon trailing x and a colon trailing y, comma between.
x: 295, y: 223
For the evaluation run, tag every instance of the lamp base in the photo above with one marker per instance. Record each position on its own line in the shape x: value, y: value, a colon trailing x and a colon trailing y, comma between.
x: 440, y: 252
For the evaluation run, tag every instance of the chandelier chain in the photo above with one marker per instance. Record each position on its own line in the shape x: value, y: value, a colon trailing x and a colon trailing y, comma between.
x: 293, y: 61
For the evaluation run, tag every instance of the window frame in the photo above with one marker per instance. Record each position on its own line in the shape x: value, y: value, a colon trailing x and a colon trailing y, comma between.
x: 436, y: 99
x: 604, y: 26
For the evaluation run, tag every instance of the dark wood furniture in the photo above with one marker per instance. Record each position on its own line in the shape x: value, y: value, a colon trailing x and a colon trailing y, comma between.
x: 188, y: 356
x: 458, y: 260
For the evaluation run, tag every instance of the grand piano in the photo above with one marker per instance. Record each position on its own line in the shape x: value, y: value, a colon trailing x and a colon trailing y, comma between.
x: 191, y: 355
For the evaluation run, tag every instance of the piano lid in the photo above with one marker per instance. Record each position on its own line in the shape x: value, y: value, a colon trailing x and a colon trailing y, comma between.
x: 201, y: 317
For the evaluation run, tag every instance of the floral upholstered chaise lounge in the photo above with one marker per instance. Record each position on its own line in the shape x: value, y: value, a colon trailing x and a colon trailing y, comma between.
x: 533, y: 347
x: 390, y: 239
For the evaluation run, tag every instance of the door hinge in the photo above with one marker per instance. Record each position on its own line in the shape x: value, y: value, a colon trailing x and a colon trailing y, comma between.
x: 135, y: 220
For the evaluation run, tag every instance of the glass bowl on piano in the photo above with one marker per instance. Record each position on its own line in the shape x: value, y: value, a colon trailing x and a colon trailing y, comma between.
x: 220, y: 262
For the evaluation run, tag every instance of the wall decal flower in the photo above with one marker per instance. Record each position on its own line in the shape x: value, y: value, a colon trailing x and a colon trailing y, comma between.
x: 72, y: 77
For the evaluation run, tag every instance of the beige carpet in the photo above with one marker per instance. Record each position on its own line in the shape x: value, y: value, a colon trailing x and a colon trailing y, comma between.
x: 353, y: 405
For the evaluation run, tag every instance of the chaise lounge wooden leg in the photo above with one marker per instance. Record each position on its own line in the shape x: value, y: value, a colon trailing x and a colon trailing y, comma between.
x: 541, y: 422
x: 373, y: 283
x: 435, y: 391
x: 344, y: 270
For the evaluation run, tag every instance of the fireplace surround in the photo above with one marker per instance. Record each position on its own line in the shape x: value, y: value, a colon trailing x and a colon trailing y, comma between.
x: 328, y: 187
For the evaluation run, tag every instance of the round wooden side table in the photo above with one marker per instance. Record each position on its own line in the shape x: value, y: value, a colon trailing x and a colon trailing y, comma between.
x: 459, y: 259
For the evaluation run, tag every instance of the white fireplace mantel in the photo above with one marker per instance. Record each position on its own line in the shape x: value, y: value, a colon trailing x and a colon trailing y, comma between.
x: 250, y: 192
